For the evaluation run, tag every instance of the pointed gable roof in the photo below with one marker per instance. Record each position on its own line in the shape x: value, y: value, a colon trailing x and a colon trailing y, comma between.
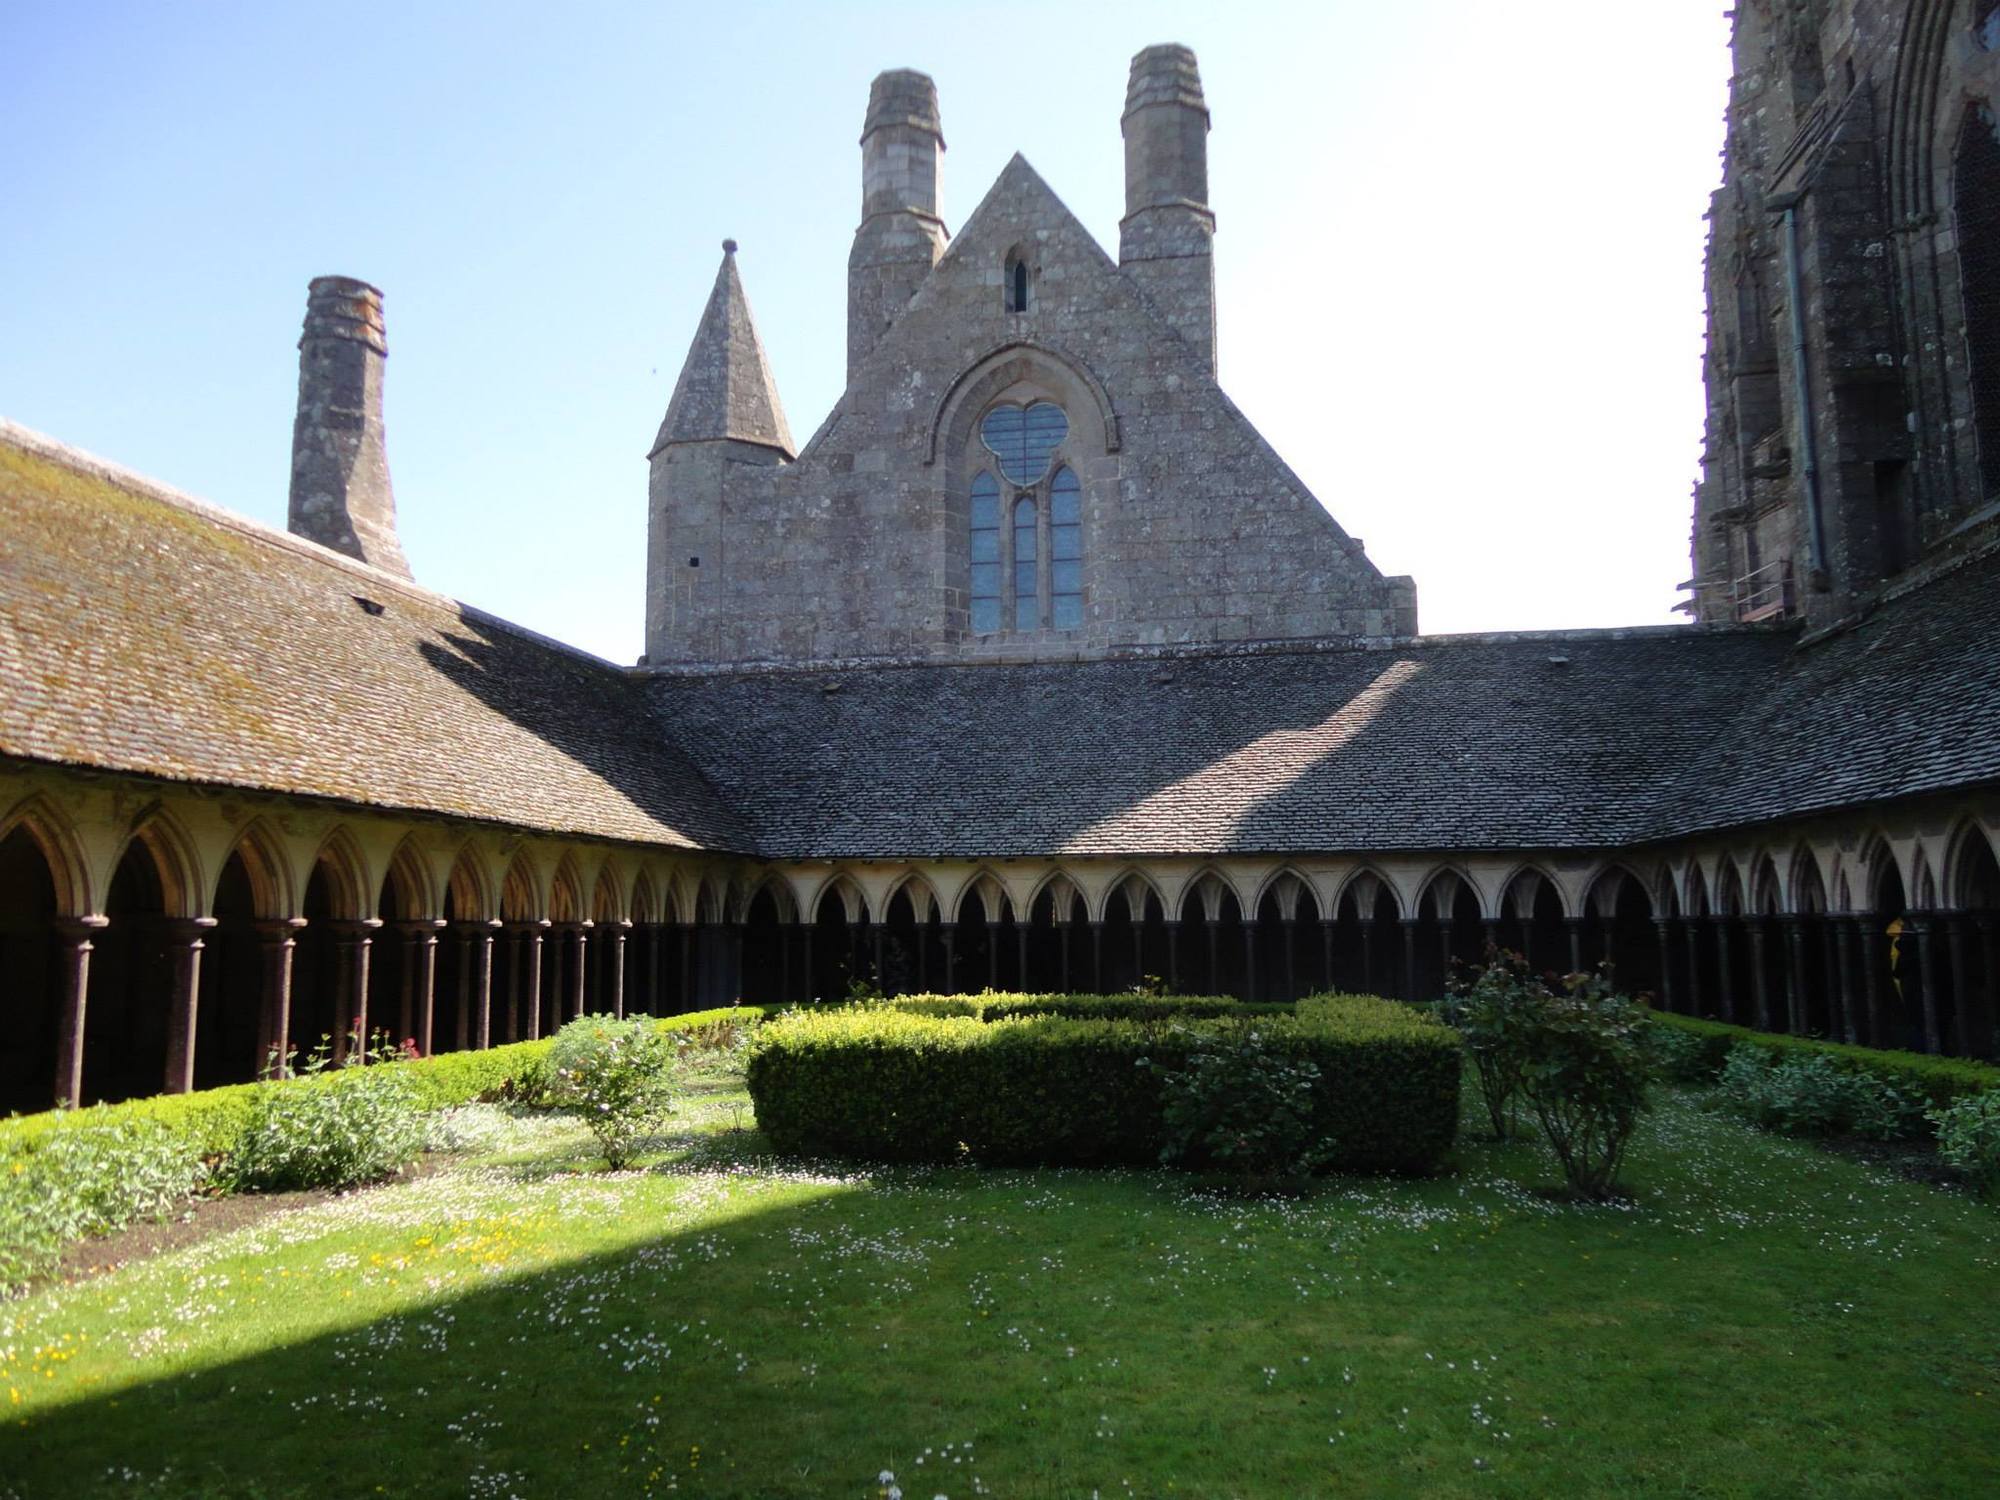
x: 725, y: 389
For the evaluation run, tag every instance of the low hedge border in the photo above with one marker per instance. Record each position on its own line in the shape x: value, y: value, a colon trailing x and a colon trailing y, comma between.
x: 1941, y: 1080
x: 994, y: 1005
x: 213, y: 1119
x: 891, y: 1083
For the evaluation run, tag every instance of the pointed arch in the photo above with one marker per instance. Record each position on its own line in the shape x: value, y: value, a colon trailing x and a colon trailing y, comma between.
x: 1364, y: 883
x: 566, y: 893
x: 408, y: 880
x: 273, y: 889
x: 992, y: 892
x: 607, y: 897
x: 1606, y: 884
x: 646, y: 898
x: 469, y: 886
x: 62, y: 851
x: 1206, y: 887
x: 1968, y: 860
x: 1923, y: 884
x: 1006, y: 364
x: 1767, y: 892
x: 183, y: 887
x: 1523, y: 884
x: 1696, y: 888
x: 784, y: 900
x: 1878, y: 867
x: 1806, y: 882
x: 1442, y: 885
x: 521, y: 891
x: 922, y: 895
x: 1288, y: 884
x: 339, y: 859
x: 845, y: 891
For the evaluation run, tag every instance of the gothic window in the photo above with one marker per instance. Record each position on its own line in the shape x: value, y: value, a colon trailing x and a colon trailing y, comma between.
x: 1028, y: 574
x: 1976, y: 204
x: 1016, y: 279
x: 985, y: 588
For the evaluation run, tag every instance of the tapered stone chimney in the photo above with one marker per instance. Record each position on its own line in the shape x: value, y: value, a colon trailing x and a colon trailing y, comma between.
x: 901, y: 236
x: 1166, y: 239
x: 341, y: 497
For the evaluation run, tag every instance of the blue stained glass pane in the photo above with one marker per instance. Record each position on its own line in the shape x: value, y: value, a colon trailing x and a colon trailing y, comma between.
x: 1024, y: 529
x: 1025, y: 609
x: 985, y: 513
x: 1024, y: 439
x: 1066, y: 577
x: 1066, y: 508
x: 986, y: 580
x: 1065, y: 541
x: 1024, y: 579
x: 985, y: 615
x: 985, y: 546
x: 1067, y: 610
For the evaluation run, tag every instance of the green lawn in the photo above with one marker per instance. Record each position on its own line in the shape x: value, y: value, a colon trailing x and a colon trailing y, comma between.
x: 1764, y: 1318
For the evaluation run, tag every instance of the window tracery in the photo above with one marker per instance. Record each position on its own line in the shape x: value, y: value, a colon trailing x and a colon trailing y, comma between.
x: 1027, y: 575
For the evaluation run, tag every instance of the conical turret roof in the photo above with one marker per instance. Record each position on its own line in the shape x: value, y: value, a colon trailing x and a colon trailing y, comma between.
x: 725, y: 389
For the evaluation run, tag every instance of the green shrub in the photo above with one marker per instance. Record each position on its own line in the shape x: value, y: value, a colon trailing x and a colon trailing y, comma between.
x: 1932, y: 1081
x: 1585, y: 1069
x: 1681, y: 1056
x: 993, y: 1005
x: 330, y: 1128
x: 1495, y: 1012
x: 1242, y: 1105
x: 1808, y: 1093
x: 1968, y: 1137
x: 616, y: 1075
x: 892, y: 1084
x: 95, y: 1177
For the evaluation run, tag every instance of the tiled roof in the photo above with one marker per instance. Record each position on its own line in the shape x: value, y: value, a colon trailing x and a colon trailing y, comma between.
x: 143, y: 632
x: 1904, y: 702
x: 1524, y: 742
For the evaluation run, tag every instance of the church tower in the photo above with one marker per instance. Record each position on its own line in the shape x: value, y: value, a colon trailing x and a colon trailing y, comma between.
x: 901, y: 235
x: 724, y: 413
x: 1165, y: 241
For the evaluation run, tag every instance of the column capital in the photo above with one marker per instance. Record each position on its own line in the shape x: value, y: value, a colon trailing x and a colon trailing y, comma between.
x: 273, y: 928
x: 188, y: 929
x: 415, y: 926
x: 527, y: 924
x: 354, y: 927
x: 76, y: 929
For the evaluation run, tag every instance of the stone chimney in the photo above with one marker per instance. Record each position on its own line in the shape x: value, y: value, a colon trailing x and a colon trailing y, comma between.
x: 1165, y: 241
x: 901, y: 235
x: 341, y: 496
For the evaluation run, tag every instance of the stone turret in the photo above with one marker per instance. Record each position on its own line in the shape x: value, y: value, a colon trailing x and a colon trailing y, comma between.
x: 341, y: 496
x: 1165, y: 241
x: 724, y: 412
x: 901, y: 235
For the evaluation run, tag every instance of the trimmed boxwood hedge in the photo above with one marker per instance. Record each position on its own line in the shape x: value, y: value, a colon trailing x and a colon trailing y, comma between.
x: 889, y: 1083
x: 214, y: 1119
x: 1938, y: 1079
x: 993, y: 1005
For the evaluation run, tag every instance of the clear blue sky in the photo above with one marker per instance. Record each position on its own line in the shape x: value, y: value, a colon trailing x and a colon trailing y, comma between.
x: 1458, y: 253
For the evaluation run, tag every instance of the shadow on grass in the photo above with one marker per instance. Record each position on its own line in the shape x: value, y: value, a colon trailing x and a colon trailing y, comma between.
x: 581, y: 1377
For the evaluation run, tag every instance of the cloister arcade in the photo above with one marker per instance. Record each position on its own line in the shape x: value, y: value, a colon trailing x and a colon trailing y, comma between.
x: 157, y: 938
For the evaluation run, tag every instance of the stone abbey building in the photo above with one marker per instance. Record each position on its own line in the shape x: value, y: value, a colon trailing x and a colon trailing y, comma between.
x: 1034, y: 666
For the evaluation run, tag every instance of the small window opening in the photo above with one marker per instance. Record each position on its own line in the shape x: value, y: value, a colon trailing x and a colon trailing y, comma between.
x: 1017, y: 282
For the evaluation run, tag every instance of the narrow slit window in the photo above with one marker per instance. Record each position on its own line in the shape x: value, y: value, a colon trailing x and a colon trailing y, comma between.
x: 1065, y: 551
x: 1027, y: 585
x: 1017, y: 287
x: 985, y: 576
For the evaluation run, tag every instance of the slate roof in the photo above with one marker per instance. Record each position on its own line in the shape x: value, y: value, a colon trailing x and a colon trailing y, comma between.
x: 1454, y: 744
x: 145, y: 632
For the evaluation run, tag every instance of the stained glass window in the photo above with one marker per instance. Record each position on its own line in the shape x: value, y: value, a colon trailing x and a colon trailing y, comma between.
x: 1065, y: 551
x: 985, y: 529
x: 1027, y: 593
x: 1024, y: 439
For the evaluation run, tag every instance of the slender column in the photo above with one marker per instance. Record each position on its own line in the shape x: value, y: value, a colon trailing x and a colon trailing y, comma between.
x: 1989, y: 968
x: 1138, y: 950
x: 785, y: 961
x: 1174, y: 956
x: 1214, y: 968
x: 184, y: 945
x: 1961, y: 988
x: 1367, y: 955
x: 1249, y: 960
x: 1575, y: 926
x: 1829, y: 962
x: 1097, y: 958
x: 1795, y: 974
x: 922, y: 929
x: 278, y: 945
x: 1692, y: 929
x: 531, y: 991
x: 462, y: 1032
x: 1021, y: 955
x: 656, y: 936
x: 1444, y: 948
x: 581, y: 932
x: 948, y: 935
x: 1842, y: 969
x: 407, y: 989
x: 1725, y: 968
x: 1290, y: 926
x: 516, y: 950
x: 875, y: 952
x: 992, y: 954
x: 684, y: 1000
x: 1410, y: 958
x: 482, y: 985
x: 1664, y: 926
x: 1062, y: 941
x: 1871, y: 977
x: 1921, y: 924
x: 75, y: 934
x: 1760, y: 974
x: 424, y: 950
x: 1490, y: 927
x: 1326, y: 953
x: 617, y: 962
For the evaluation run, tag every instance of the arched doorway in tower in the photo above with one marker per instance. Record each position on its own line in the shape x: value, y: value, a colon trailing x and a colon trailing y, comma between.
x: 126, y: 1019
x: 31, y: 997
